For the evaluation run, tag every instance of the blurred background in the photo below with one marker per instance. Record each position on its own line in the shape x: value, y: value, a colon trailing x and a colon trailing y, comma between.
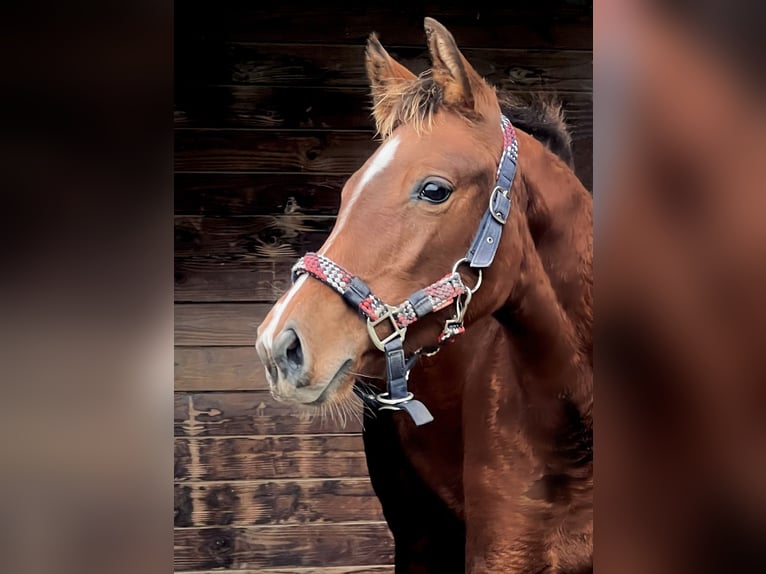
x: 680, y: 278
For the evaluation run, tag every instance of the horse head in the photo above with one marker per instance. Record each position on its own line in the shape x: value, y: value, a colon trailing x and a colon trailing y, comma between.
x: 408, y: 218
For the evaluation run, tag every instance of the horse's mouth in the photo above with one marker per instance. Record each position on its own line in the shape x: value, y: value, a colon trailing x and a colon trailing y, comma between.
x: 340, y: 377
x: 311, y: 394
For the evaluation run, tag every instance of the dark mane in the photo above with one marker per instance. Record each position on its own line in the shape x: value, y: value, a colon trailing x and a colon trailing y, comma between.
x: 538, y: 114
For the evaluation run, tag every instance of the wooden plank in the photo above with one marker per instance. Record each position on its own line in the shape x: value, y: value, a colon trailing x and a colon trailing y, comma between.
x: 285, y: 502
x: 284, y: 107
x: 218, y: 369
x: 314, y: 545
x: 257, y: 194
x: 251, y: 238
x: 372, y: 569
x: 206, y: 279
x: 340, y: 153
x: 313, y: 108
x: 337, y: 65
x: 272, y: 151
x: 512, y: 23
x: 253, y: 413
x: 230, y: 324
x: 258, y: 458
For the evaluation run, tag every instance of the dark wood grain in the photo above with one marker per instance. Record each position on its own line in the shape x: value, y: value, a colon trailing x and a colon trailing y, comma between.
x: 218, y: 369
x: 283, y: 237
x: 253, y: 413
x: 272, y: 151
x: 334, y: 65
x: 314, y: 108
x: 214, y: 194
x: 210, y: 280
x: 313, y: 545
x: 340, y: 153
x: 229, y: 324
x: 254, y: 503
x: 258, y: 458
x: 285, y: 107
x: 512, y: 23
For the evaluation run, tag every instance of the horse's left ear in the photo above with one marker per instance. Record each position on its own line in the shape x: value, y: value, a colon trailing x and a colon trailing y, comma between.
x: 461, y: 84
x: 387, y: 80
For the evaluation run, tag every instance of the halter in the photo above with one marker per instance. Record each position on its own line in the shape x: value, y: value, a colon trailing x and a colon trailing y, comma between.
x: 439, y: 295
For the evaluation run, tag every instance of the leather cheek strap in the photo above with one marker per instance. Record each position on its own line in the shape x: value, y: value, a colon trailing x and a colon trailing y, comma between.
x: 482, y: 251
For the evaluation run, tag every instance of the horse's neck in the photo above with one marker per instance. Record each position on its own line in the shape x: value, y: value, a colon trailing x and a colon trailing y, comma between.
x: 559, y: 217
x: 548, y: 315
x: 545, y: 338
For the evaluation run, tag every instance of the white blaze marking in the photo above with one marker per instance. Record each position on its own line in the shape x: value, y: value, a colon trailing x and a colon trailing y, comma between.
x: 279, y: 308
x: 382, y: 157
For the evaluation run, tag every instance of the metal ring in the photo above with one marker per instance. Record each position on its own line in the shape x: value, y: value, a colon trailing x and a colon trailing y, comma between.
x: 389, y: 408
x: 458, y: 263
x: 393, y: 402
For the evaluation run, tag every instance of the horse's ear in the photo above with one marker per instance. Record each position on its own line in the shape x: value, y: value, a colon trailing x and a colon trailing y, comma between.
x: 462, y: 85
x: 387, y: 80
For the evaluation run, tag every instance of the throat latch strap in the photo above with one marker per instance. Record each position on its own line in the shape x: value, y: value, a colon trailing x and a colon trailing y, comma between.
x: 398, y: 397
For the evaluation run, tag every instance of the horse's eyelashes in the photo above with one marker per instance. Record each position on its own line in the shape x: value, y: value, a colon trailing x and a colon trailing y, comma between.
x: 435, y: 191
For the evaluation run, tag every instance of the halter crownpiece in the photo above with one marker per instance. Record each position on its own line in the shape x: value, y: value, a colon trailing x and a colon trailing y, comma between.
x: 439, y: 295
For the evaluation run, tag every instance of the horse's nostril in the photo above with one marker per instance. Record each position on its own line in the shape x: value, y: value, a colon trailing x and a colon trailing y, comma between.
x: 294, y: 354
x: 288, y: 354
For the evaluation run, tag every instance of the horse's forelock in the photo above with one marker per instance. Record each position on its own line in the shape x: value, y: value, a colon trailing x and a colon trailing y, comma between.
x: 413, y: 103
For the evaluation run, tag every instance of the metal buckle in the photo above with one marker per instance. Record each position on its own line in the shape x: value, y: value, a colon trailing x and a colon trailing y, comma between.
x: 452, y: 328
x: 496, y: 215
x: 388, y: 315
x: 462, y: 306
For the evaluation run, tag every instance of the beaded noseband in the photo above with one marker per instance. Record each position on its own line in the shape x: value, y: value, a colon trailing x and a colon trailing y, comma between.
x: 439, y: 295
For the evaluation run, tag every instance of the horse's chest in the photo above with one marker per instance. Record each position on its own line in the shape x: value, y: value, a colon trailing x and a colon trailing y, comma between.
x: 436, y: 457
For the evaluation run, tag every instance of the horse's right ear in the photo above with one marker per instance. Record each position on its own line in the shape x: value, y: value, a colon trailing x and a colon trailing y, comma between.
x: 388, y: 78
x: 462, y: 85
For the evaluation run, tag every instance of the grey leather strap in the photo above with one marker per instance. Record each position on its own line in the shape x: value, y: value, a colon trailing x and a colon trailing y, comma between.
x: 482, y: 251
x: 418, y: 411
x: 485, y: 243
x: 396, y: 369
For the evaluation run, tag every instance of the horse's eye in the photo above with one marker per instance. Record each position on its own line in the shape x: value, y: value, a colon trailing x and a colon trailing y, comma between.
x: 435, y: 192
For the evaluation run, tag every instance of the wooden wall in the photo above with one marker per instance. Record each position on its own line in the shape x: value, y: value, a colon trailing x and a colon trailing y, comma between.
x: 271, y: 116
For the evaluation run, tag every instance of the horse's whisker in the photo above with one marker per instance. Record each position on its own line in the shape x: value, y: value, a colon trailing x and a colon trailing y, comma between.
x: 365, y: 375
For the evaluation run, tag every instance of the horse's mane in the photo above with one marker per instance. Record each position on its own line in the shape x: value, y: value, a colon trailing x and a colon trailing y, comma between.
x: 541, y: 115
x: 538, y: 114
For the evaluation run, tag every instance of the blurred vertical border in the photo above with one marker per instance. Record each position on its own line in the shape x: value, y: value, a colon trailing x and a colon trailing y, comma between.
x: 86, y: 287
x: 680, y: 282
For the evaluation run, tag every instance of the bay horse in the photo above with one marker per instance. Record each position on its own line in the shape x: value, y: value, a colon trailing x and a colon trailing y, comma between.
x: 470, y: 213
